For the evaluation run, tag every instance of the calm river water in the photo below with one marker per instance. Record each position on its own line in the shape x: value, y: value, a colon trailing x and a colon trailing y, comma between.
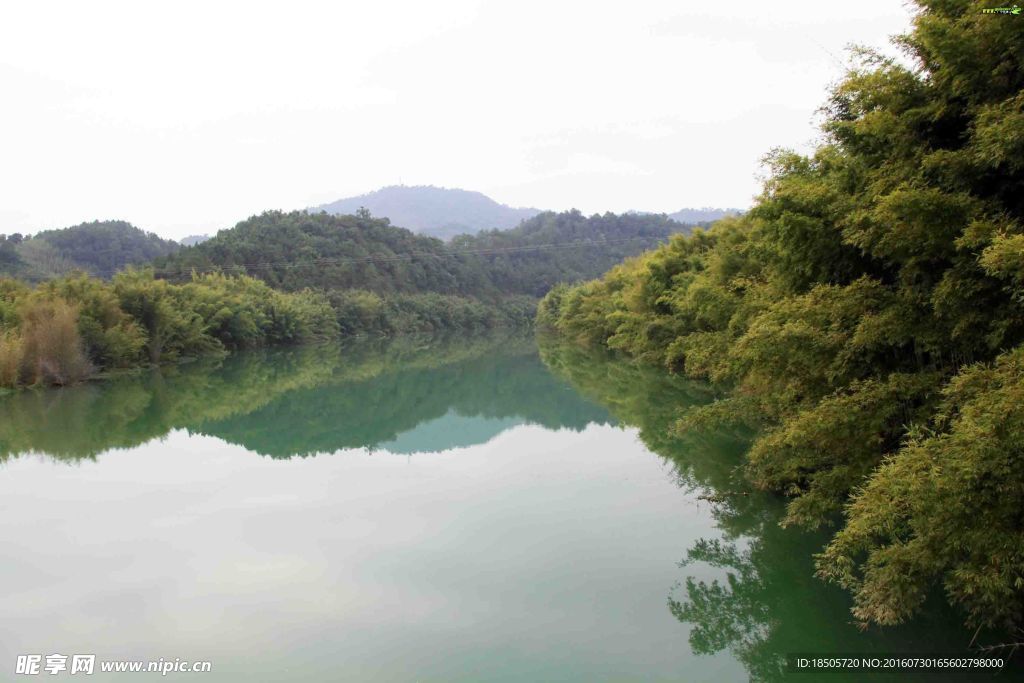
x: 471, y: 510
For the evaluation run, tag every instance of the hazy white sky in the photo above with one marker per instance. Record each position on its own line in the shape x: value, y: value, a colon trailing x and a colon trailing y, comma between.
x: 190, y: 116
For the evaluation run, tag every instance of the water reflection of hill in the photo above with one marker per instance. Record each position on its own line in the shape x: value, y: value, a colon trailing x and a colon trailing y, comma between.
x: 451, y: 430
x: 305, y: 400
x: 411, y: 409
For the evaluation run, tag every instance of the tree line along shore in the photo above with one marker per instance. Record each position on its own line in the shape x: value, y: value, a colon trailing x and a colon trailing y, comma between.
x: 867, y: 317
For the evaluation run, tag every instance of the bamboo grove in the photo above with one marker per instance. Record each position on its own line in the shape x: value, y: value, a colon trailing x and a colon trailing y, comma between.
x: 868, y: 315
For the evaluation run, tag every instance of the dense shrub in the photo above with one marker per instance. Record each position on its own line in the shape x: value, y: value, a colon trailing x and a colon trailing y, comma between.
x: 362, y: 312
x: 65, y: 329
x: 50, y: 346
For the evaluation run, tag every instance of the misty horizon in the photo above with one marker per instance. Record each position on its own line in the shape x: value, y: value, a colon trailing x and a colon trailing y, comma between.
x: 599, y: 107
x: 195, y: 236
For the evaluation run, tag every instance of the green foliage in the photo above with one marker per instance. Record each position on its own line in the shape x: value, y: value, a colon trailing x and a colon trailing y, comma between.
x: 111, y: 337
x: 946, y: 506
x: 378, y: 279
x: 298, y: 250
x: 49, y: 343
x: 100, y: 248
x: 870, y: 275
x: 167, y: 314
x: 60, y: 331
x: 362, y: 312
x: 820, y: 454
x: 553, y: 247
x: 137, y: 319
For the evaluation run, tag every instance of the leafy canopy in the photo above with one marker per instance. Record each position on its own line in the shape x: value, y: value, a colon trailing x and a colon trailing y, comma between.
x: 868, y: 314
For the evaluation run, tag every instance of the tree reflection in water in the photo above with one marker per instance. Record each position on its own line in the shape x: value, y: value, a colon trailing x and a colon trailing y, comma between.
x: 302, y: 401
x: 764, y: 601
x: 749, y: 590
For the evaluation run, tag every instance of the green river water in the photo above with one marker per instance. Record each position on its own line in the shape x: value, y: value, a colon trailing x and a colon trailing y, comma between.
x: 461, y: 510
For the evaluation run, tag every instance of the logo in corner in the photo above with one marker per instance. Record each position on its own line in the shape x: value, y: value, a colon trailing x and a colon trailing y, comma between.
x: 1015, y: 9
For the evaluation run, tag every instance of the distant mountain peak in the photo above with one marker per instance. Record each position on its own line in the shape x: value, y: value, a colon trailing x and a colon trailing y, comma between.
x: 704, y: 214
x: 193, y: 240
x: 436, y: 211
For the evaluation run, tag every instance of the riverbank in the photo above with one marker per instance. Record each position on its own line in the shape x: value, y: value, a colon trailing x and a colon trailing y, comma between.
x: 76, y: 328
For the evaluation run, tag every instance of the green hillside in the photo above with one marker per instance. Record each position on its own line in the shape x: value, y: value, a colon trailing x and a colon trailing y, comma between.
x: 563, y: 247
x: 100, y: 248
x: 292, y: 251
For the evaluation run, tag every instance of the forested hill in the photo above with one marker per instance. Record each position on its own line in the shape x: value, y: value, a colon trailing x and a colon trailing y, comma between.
x: 100, y: 248
x: 292, y: 251
x: 295, y: 250
x: 435, y: 211
x: 564, y: 247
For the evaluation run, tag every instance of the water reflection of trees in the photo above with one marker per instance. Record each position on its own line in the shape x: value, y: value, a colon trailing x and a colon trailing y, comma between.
x: 297, y: 401
x: 650, y: 400
x: 718, y: 610
x: 765, y: 601
x: 504, y: 380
